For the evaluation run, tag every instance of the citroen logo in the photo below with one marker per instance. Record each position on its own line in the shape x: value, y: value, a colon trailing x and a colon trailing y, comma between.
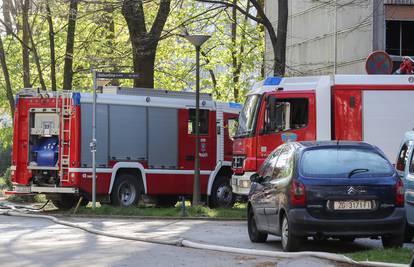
x: 352, y: 191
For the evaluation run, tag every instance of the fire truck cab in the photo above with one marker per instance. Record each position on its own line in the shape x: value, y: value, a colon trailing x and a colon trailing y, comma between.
x: 377, y: 109
x: 145, y: 146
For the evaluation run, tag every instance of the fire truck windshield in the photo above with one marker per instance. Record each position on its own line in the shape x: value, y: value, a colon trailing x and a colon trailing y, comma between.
x: 246, y: 118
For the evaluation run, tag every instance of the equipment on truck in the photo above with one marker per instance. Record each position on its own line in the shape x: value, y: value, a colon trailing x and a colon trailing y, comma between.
x: 145, y: 145
x: 376, y: 109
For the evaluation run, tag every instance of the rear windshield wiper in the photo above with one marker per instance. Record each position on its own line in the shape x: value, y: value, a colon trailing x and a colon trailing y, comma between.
x: 355, y: 171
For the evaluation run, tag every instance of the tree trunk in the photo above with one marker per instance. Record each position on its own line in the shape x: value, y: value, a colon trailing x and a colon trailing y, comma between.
x: 37, y: 61
x: 144, y: 43
x: 70, y: 43
x: 109, y: 25
x: 7, y: 10
x: 280, y: 52
x: 25, y: 45
x: 9, y: 91
x: 239, y: 66
x: 279, y: 47
x: 233, y: 50
x: 51, y: 47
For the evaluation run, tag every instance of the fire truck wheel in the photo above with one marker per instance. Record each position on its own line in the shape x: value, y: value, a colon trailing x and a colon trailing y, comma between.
x: 126, y: 191
x: 221, y: 194
x: 166, y: 201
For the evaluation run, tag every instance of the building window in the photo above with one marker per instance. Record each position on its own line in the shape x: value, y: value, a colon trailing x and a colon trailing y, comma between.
x: 400, y: 38
x: 203, y: 121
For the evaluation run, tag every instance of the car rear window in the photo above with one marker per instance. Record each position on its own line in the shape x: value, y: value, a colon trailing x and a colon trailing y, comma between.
x: 340, y: 162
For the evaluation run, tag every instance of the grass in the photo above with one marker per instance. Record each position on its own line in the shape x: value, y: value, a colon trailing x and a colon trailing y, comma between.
x: 394, y: 255
x: 237, y: 212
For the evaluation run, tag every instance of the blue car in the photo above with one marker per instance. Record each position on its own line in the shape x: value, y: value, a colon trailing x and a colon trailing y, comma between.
x: 405, y: 168
x: 343, y: 190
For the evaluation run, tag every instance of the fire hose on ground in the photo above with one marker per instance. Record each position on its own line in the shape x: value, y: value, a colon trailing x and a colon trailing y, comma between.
x: 21, y: 211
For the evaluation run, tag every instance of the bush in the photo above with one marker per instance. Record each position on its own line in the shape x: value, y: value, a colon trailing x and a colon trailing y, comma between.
x: 5, y: 158
x: 5, y: 180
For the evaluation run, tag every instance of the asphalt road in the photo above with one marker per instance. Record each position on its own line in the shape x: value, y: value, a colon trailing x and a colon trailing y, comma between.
x: 38, y: 242
x: 227, y: 233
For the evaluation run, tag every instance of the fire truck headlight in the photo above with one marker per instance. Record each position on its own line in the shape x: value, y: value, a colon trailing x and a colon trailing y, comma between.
x: 244, y: 183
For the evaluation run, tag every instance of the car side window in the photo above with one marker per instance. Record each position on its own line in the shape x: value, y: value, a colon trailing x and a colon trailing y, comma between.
x: 402, y: 158
x: 411, y: 169
x: 284, y: 165
x: 266, y: 170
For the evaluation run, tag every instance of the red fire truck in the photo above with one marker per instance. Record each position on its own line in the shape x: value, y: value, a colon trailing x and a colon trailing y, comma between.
x: 145, y: 146
x: 377, y: 109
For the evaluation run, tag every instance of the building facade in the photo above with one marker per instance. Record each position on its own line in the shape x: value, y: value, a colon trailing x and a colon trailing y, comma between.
x: 326, y: 37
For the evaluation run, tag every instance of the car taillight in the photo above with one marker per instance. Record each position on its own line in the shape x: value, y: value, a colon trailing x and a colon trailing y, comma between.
x: 399, y: 193
x: 297, y: 194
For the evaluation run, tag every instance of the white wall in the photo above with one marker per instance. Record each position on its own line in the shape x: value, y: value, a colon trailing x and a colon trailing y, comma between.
x: 310, y: 37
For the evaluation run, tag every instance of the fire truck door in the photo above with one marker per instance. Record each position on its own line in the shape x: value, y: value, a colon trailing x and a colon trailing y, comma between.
x: 187, y: 139
x: 293, y: 118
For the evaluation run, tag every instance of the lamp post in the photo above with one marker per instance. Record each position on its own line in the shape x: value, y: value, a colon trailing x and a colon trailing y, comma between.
x: 197, y: 41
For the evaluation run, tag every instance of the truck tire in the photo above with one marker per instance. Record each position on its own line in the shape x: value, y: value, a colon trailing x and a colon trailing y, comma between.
x: 68, y: 201
x: 222, y: 194
x: 166, y: 201
x: 126, y: 191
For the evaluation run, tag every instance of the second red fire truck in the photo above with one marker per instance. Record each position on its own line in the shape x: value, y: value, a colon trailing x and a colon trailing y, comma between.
x: 145, y: 146
x: 377, y: 109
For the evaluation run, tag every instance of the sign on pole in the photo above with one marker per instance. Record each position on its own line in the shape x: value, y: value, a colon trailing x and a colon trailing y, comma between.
x: 379, y: 62
x: 116, y: 75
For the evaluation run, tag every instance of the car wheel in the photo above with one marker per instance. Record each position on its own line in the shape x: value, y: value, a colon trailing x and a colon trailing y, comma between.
x: 289, y: 241
x: 392, y: 241
x: 408, y: 233
x: 222, y: 194
x: 126, y: 191
x: 254, y: 234
x: 166, y: 201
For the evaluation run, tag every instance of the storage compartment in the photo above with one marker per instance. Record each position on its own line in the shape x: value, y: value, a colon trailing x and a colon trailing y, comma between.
x: 43, y: 138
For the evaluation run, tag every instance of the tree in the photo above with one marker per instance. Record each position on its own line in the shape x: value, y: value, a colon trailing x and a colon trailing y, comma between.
x: 25, y: 43
x: 51, y: 46
x: 9, y: 91
x: 278, y: 41
x: 144, y: 43
x: 70, y: 43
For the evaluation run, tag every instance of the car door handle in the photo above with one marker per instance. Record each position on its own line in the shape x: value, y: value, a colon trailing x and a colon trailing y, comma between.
x: 189, y: 158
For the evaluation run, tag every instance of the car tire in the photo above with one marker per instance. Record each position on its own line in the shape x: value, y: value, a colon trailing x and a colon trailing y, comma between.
x: 254, y: 234
x: 289, y: 241
x: 166, y: 201
x: 408, y: 233
x: 126, y: 191
x: 222, y: 194
x: 392, y: 241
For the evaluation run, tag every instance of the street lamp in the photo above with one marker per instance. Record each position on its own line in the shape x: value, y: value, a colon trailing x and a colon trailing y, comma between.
x: 197, y: 41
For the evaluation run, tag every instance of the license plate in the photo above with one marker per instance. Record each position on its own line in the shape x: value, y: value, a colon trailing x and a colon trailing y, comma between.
x: 352, y: 205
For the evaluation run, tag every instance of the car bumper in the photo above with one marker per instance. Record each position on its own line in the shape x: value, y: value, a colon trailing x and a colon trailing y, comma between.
x: 241, y: 184
x: 303, y: 224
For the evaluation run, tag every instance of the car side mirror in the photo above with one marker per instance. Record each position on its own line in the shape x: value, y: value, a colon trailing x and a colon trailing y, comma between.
x: 255, y: 178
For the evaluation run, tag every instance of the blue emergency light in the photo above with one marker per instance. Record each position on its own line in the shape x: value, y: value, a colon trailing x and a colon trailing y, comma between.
x: 272, y: 81
x: 235, y: 105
